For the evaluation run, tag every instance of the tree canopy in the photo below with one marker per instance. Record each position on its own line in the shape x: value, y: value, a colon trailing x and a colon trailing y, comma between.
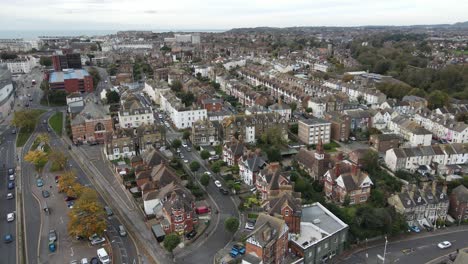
x: 87, y: 217
x: 171, y: 241
x: 231, y: 224
x: 112, y: 97
x: 194, y: 166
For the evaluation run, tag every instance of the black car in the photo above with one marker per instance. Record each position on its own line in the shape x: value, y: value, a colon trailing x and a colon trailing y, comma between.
x: 191, y: 234
x: 224, y: 191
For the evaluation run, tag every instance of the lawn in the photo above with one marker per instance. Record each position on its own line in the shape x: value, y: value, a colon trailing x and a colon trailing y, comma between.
x: 23, y: 135
x: 56, y: 122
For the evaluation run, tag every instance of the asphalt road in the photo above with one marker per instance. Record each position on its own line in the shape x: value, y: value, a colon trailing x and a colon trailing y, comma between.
x: 8, y: 160
x: 219, y: 238
x: 424, y: 248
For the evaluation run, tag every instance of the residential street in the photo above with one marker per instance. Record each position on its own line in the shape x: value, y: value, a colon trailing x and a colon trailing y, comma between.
x: 424, y: 246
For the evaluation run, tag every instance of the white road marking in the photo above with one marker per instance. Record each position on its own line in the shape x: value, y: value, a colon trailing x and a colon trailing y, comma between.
x: 61, y: 220
x: 72, y: 253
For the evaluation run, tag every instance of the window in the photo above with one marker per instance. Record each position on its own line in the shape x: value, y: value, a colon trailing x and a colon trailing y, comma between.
x: 319, y: 249
x: 363, y: 198
x: 326, y: 245
x: 286, y: 212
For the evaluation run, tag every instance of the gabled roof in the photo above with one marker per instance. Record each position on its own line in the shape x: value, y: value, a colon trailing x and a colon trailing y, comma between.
x: 267, y: 229
x: 461, y: 193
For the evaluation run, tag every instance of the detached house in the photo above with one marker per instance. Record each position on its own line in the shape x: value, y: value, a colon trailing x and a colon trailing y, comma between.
x: 315, y: 163
x: 459, y: 203
x: 347, y: 180
x: 271, y: 180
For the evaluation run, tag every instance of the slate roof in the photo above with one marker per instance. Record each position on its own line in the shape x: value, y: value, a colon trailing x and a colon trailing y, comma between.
x: 267, y: 229
x: 461, y: 193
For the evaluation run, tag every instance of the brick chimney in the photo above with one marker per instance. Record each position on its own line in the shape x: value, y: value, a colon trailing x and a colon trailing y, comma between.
x: 354, y: 170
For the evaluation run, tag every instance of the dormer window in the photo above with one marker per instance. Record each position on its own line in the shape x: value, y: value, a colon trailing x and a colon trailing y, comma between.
x: 286, y: 213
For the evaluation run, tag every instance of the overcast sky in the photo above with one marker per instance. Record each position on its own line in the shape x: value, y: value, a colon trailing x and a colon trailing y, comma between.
x: 223, y: 14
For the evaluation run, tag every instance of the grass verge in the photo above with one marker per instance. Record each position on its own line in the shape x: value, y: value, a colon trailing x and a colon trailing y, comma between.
x: 56, y: 122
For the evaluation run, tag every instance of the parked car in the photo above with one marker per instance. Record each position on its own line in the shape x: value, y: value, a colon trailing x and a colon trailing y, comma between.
x: 84, y: 261
x: 415, y: 229
x: 202, y: 210
x: 108, y: 210
x: 189, y: 149
x: 218, y: 184
x: 93, y: 236
x: 45, y: 194
x: 11, y: 185
x: 11, y: 177
x: 11, y: 171
x: 52, y: 247
x: 52, y: 235
x: 9, y: 196
x: 215, y: 157
x: 224, y: 191
x: 191, y: 234
x: 234, y: 253
x: 428, y: 228
x: 69, y: 198
x: 444, y: 244
x: 184, y: 145
x: 98, y: 241
x: 10, y: 217
x: 122, y: 231
x: 13, y: 131
x: 57, y: 178
x: 185, y: 160
x: 250, y: 224
x: 8, y: 238
x: 103, y: 256
x: 39, y: 182
x: 70, y: 204
x: 239, y: 248
x: 95, y: 260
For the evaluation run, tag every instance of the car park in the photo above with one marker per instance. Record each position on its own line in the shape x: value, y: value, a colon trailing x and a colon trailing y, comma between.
x: 45, y: 194
x: 444, y: 245
x: 191, y: 234
x: 10, y: 217
x: 8, y: 238
x: 98, y: 241
x: 218, y: 184
x: 39, y: 182
x: 52, y: 235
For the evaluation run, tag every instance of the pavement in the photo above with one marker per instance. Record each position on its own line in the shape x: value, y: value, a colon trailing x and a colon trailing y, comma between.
x: 416, y: 248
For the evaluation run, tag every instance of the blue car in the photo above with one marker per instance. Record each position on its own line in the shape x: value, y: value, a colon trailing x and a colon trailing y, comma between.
x: 39, y: 182
x: 415, y: 229
x: 8, y: 238
x: 234, y: 253
x: 11, y: 185
x: 239, y: 248
x: 52, y: 247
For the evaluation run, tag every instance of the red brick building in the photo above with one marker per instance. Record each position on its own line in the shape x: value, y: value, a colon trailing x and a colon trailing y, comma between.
x: 66, y: 61
x: 346, y: 180
x: 178, y: 210
x: 92, y: 124
x: 71, y: 81
x: 288, y: 206
x: 459, y: 203
x: 269, y: 240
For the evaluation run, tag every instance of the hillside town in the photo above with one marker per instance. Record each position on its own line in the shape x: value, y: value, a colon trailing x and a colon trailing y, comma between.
x: 260, y: 145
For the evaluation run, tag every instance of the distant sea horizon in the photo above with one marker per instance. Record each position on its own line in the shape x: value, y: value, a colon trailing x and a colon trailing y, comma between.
x: 34, y: 34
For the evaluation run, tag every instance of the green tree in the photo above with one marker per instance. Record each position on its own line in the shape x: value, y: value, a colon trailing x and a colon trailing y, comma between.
x: 45, y: 61
x: 309, y: 110
x: 438, y: 99
x: 370, y: 161
x: 205, y: 179
x: 205, y: 154
x: 112, y: 97
x: 171, y: 241
x: 293, y: 106
x: 96, y: 76
x: 186, y: 135
x: 38, y: 158
x: 216, y: 167
x: 176, y: 143
x: 87, y: 216
x: 273, y: 136
x: 176, y: 86
x: 25, y: 119
x: 194, y: 166
x: 273, y: 154
x: 231, y: 224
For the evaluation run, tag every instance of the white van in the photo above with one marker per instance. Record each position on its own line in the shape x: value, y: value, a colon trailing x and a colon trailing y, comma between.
x: 102, y: 255
x: 11, y: 217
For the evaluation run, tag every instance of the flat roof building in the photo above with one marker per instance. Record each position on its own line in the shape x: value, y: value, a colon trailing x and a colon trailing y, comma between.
x: 70, y: 80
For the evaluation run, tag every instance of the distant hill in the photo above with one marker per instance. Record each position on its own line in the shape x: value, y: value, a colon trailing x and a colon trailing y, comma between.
x: 461, y: 24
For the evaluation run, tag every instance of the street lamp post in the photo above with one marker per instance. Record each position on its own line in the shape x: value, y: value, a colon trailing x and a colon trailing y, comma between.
x: 385, y: 250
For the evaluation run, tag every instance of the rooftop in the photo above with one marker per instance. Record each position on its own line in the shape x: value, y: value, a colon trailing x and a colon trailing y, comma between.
x: 67, y: 74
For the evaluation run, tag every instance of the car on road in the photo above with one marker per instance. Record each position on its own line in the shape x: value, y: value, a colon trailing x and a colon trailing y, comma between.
x: 122, y: 231
x: 444, y: 245
x: 39, y: 182
x: 207, y: 173
x: 185, y: 161
x: 10, y: 217
x: 189, y: 149
x: 223, y: 191
x: 11, y: 185
x: 184, y: 145
x: 52, y: 235
x: 11, y: 171
x: 415, y: 229
x: 9, y: 196
x: 181, y: 156
x: 11, y: 177
x: 8, y: 238
x: 45, y: 194
x: 98, y: 241
x: 191, y: 234
x: 218, y: 184
x: 13, y: 131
